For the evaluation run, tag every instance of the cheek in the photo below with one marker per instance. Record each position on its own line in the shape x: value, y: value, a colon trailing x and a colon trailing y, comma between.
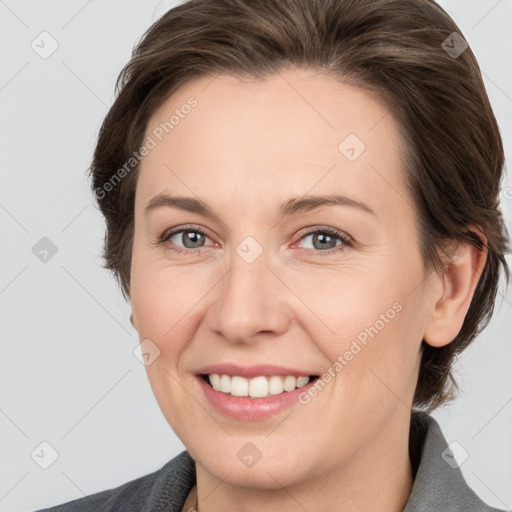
x: 167, y: 303
x: 343, y: 302
x: 381, y: 358
x: 163, y: 307
x: 369, y: 327
x: 156, y: 307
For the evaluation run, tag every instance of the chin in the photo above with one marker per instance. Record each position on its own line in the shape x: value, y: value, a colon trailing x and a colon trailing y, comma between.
x: 239, y: 462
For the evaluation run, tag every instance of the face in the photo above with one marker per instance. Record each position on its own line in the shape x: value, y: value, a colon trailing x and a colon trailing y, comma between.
x: 267, y: 281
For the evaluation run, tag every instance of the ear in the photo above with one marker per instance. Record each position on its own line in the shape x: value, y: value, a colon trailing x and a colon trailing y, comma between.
x: 131, y: 319
x: 452, y: 295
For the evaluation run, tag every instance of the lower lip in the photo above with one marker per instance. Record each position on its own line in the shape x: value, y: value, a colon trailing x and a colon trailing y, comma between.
x: 250, y: 409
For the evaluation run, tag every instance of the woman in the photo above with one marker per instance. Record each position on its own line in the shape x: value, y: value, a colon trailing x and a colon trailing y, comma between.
x: 302, y: 274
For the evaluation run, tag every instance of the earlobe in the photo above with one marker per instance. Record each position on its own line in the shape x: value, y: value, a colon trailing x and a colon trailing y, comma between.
x: 464, y: 267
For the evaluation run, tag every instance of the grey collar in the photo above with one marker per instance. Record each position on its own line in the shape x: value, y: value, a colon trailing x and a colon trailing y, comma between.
x: 438, y: 484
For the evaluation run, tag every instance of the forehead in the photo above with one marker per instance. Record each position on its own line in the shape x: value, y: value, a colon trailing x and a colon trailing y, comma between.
x: 289, y: 133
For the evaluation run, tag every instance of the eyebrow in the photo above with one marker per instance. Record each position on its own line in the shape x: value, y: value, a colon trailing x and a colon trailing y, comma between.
x: 291, y: 207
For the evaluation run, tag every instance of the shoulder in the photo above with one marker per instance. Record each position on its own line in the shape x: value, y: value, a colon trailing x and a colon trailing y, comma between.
x: 165, y: 489
x: 438, y: 483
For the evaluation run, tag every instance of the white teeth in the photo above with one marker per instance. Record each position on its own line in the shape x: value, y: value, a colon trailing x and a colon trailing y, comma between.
x: 225, y: 384
x: 239, y: 386
x: 289, y: 383
x: 275, y: 385
x: 257, y: 387
x: 215, y: 381
x: 302, y: 381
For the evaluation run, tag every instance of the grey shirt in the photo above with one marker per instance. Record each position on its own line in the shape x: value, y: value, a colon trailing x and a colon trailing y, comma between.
x: 437, y: 485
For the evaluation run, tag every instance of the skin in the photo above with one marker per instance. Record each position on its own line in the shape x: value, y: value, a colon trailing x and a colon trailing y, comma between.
x: 246, y: 148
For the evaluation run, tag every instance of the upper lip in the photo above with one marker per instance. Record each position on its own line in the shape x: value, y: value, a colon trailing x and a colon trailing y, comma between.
x: 253, y: 370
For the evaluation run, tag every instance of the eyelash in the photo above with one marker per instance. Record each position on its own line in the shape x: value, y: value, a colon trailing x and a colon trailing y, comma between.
x: 345, y: 239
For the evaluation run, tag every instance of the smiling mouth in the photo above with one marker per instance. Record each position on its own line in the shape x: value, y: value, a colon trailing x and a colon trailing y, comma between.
x: 256, y: 387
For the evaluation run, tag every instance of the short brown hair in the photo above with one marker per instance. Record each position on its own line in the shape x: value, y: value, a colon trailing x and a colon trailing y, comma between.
x: 399, y: 49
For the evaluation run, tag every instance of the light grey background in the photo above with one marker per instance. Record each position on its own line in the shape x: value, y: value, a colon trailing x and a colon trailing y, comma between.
x: 68, y: 375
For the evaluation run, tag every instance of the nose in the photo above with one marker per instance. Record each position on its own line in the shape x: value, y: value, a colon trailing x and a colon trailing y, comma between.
x: 250, y: 303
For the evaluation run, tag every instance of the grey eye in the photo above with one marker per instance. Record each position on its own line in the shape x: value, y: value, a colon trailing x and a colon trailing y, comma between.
x: 189, y: 238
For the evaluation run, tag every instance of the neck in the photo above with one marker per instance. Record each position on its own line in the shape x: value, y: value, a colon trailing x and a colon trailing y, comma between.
x: 379, y: 478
